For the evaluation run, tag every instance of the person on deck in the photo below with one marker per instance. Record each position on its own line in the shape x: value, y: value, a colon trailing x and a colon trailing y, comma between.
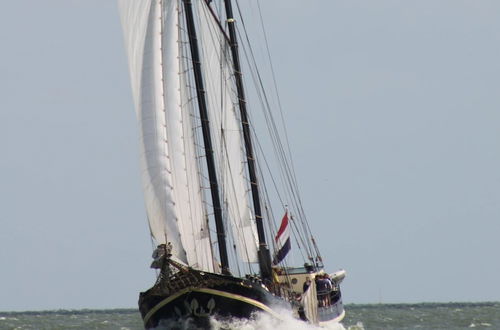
x: 329, y: 288
x: 321, y: 290
x: 306, y: 285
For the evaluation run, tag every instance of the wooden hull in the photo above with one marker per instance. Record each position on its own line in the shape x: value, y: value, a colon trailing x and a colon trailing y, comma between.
x: 192, y: 299
x: 217, y: 296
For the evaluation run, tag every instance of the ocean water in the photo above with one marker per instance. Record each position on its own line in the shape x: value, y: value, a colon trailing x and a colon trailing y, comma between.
x: 359, y: 317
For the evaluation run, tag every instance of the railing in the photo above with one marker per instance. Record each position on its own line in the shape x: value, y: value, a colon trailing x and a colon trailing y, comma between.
x: 328, y: 297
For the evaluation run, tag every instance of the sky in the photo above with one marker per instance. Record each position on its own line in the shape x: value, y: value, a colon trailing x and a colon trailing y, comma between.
x: 393, y: 110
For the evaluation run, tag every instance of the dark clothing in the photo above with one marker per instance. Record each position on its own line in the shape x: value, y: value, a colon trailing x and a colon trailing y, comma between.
x: 306, y: 286
x: 324, y: 285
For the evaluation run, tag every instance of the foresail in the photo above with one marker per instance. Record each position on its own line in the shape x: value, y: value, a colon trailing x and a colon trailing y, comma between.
x: 134, y: 16
x: 229, y: 150
x: 170, y: 173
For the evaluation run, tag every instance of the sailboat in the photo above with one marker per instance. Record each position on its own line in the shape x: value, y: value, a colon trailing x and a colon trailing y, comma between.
x: 218, y: 252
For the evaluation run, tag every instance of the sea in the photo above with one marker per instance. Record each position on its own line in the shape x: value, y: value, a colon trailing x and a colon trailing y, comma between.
x: 359, y: 317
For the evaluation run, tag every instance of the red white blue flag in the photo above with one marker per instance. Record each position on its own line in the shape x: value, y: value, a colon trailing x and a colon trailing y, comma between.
x: 282, y: 240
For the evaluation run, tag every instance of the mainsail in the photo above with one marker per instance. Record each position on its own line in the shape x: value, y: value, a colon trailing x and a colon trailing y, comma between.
x: 159, y: 66
x: 170, y: 175
x: 227, y: 135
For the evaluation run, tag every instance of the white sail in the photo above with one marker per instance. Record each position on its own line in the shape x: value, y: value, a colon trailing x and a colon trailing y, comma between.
x: 170, y: 173
x: 310, y: 303
x: 227, y: 133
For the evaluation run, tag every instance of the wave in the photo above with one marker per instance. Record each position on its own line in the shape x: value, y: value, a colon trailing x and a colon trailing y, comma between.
x: 261, y: 321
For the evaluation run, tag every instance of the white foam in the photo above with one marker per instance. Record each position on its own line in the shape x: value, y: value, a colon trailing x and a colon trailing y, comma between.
x: 260, y: 321
x: 264, y: 321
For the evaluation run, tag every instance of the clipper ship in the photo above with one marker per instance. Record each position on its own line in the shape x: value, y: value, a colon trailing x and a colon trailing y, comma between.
x: 207, y: 182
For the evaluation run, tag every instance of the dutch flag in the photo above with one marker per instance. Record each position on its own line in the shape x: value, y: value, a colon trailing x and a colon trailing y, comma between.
x: 282, y: 240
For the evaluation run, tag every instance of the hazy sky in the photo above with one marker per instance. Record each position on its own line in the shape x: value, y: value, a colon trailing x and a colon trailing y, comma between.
x: 394, y: 113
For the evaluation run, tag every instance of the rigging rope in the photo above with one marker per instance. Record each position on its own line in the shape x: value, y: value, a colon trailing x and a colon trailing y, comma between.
x: 283, y: 153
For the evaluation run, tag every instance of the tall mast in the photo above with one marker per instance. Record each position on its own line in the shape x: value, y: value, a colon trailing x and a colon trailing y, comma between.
x: 202, y: 105
x: 264, y: 255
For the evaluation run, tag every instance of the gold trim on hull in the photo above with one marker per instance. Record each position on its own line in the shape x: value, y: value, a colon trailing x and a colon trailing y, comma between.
x: 238, y: 297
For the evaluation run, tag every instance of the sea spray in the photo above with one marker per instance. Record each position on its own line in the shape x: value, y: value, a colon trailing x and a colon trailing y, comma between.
x: 264, y: 321
x: 260, y: 321
x: 450, y: 316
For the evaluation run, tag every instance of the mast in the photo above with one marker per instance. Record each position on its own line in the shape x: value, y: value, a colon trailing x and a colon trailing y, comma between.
x: 263, y: 253
x: 202, y: 105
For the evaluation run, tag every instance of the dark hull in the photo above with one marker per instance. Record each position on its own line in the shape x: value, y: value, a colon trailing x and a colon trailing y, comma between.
x: 218, y: 296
